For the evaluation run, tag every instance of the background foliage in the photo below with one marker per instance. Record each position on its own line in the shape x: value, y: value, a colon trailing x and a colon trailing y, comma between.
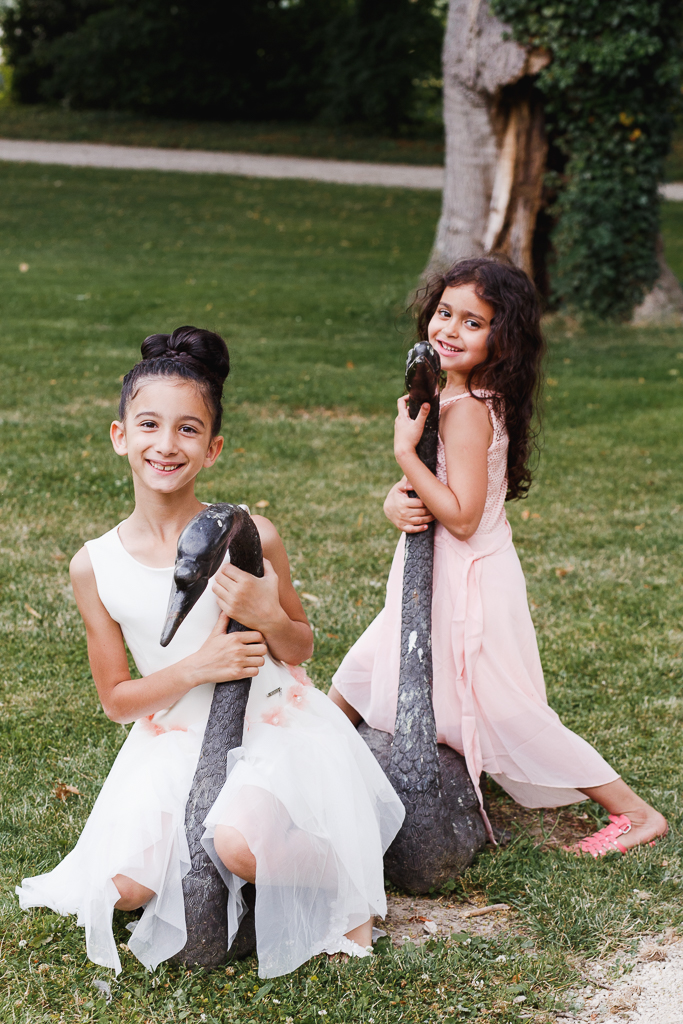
x: 365, y: 61
x: 611, y: 93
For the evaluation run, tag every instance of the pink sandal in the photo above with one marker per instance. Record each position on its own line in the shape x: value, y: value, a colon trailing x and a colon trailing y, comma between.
x: 606, y: 840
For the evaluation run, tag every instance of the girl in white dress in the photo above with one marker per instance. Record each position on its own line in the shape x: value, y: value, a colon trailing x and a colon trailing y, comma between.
x: 306, y: 812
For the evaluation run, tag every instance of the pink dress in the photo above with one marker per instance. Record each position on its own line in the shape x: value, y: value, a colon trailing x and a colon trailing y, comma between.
x: 489, y: 693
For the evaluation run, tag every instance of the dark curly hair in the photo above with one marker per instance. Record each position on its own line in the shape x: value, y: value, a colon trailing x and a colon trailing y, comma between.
x: 512, y: 370
x: 190, y: 353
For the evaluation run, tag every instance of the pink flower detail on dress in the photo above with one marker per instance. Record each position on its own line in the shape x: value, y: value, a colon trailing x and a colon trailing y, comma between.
x: 149, y: 723
x: 296, y: 695
x: 275, y: 716
x: 299, y: 673
x: 157, y: 729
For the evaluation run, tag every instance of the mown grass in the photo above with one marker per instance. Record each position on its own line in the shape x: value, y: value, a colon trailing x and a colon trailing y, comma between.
x: 307, y: 282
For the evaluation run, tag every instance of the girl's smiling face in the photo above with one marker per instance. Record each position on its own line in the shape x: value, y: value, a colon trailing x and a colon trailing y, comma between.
x: 166, y: 434
x: 459, y: 331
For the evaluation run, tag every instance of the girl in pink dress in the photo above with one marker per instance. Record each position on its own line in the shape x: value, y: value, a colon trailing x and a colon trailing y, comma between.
x: 482, y: 317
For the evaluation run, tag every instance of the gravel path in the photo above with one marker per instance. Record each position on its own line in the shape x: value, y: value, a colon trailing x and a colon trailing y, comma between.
x: 651, y: 994
x: 139, y: 158
x: 343, y: 172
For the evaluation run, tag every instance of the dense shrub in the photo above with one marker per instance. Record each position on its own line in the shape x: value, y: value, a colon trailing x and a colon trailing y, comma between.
x: 611, y: 93
x: 335, y: 60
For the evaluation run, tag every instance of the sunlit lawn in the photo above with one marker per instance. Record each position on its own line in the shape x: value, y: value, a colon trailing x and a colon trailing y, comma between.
x: 307, y: 283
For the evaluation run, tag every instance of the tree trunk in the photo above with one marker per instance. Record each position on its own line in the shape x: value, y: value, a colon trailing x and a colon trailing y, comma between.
x: 664, y: 304
x: 495, y: 140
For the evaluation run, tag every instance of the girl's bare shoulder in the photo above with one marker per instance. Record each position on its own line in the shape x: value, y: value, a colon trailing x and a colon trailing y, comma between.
x: 468, y: 415
x: 84, y: 586
x: 80, y: 568
x: 270, y: 538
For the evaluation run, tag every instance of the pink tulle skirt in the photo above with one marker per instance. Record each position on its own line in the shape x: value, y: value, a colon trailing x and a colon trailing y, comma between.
x: 489, y: 693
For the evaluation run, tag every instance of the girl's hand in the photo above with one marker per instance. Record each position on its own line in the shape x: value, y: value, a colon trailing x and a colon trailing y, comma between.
x: 408, y: 432
x: 254, y: 602
x: 225, y: 657
x: 409, y: 514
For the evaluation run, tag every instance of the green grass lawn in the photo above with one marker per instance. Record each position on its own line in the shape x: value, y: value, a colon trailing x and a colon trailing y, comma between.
x: 307, y: 282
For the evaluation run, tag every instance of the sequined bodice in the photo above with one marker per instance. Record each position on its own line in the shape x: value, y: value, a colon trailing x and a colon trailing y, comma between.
x: 494, y: 509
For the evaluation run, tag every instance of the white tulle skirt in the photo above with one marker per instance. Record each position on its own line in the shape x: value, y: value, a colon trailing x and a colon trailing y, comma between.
x: 310, y: 799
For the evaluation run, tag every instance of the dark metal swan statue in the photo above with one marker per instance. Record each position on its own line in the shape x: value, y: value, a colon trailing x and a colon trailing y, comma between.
x: 443, y: 829
x: 201, y: 550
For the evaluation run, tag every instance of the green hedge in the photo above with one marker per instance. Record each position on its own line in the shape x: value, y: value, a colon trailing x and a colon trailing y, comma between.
x: 339, y: 61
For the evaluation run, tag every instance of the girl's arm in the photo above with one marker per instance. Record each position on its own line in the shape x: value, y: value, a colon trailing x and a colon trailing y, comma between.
x: 220, y: 659
x: 466, y: 432
x: 271, y: 604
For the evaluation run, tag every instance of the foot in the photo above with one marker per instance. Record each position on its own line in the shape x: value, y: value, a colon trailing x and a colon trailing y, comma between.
x: 346, y: 947
x: 623, y: 833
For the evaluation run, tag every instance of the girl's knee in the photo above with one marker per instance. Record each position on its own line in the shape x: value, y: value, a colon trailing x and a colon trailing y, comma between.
x: 133, y: 895
x: 335, y: 696
x: 233, y: 850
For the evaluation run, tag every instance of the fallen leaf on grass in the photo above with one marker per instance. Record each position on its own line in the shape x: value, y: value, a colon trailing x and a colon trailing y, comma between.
x: 525, y: 514
x: 640, y: 527
x: 310, y: 597
x: 32, y: 611
x: 58, y: 556
x: 62, y: 792
x: 563, y: 570
x: 262, y: 503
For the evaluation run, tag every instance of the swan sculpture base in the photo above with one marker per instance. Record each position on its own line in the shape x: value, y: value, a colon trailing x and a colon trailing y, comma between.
x: 442, y: 833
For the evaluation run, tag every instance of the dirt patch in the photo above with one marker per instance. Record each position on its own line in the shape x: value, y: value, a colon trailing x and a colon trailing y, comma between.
x: 419, y: 918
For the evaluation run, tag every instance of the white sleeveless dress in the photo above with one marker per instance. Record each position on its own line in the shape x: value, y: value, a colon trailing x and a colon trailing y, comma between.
x: 312, y: 802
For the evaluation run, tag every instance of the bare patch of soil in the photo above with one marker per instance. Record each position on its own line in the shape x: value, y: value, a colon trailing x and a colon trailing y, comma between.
x: 419, y: 918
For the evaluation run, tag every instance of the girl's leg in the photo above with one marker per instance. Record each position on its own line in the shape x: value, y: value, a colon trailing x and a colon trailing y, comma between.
x: 362, y: 934
x: 233, y: 850
x: 133, y: 895
x: 350, y: 712
x: 618, y: 798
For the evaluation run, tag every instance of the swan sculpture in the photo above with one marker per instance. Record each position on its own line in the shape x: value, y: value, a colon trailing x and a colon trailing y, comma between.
x: 443, y: 830
x: 201, y: 550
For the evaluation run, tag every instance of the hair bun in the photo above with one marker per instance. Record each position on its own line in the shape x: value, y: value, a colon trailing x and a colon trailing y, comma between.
x: 204, y: 350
